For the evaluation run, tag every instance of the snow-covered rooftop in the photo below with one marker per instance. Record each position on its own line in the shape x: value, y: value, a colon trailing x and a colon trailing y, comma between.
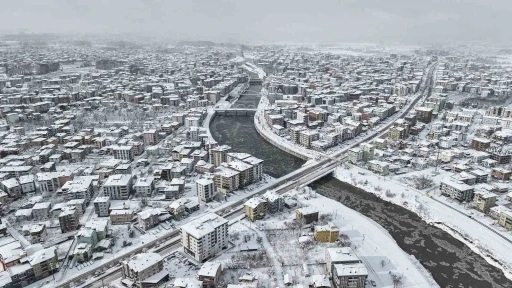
x: 142, y: 261
x: 204, y: 225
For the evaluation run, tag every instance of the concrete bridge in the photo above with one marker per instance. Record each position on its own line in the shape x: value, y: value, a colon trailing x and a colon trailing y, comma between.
x: 236, y: 111
x: 255, y: 81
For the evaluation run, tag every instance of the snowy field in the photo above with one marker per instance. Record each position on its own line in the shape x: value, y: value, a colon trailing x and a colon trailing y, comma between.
x: 481, y: 237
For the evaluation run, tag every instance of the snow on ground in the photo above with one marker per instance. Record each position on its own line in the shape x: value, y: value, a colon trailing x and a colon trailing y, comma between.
x: 286, y: 144
x: 121, y: 231
x: 276, y: 249
x: 372, y: 243
x: 265, y: 128
x: 255, y: 69
x: 481, y: 236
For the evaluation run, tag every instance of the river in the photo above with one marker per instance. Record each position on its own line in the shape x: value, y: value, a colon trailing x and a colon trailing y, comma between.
x: 451, y: 263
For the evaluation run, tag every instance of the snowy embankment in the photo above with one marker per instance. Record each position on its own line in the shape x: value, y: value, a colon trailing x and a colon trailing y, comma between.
x: 483, y: 240
x: 266, y: 132
x: 372, y: 243
x: 255, y: 69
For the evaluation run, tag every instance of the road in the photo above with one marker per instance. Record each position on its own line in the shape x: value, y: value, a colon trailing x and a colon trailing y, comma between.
x: 474, y: 219
x: 302, y: 176
x: 115, y: 272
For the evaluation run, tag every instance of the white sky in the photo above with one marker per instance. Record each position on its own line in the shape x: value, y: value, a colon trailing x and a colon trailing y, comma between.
x: 410, y: 21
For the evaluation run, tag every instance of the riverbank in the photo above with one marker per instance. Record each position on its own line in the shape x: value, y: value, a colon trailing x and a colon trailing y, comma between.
x: 483, y: 241
x: 265, y: 131
x: 286, y: 145
x: 370, y: 241
x: 450, y: 261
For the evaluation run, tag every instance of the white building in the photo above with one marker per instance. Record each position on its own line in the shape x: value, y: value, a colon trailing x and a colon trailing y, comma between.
x: 456, y: 190
x: 205, y: 237
x: 78, y: 188
x: 101, y: 206
x: 118, y: 186
x: 48, y: 181
x: 205, y: 189
x: 349, y: 275
x: 28, y: 184
x: 123, y: 152
x: 142, y: 266
x: 144, y: 186
x: 342, y: 255
x: 41, y: 210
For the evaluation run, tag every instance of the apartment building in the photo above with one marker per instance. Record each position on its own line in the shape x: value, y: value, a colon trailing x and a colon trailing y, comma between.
x: 424, y: 114
x: 144, y: 186
x: 379, y: 167
x: 255, y: 208
x: 41, y: 210
x: 307, y: 136
x: 368, y: 152
x: 501, y: 173
x: 68, y: 219
x: 150, y: 137
x: 219, y: 154
x: 226, y: 180
x: 205, y: 237
x: 275, y: 202
x: 12, y: 187
x: 48, y: 181
x: 205, y: 189
x: 349, y: 275
x: 120, y: 216
x: 245, y: 172
x: 118, y: 186
x: 44, y: 262
x: 257, y: 167
x: 101, y: 206
x: 505, y: 219
x: 148, y: 219
x: 326, y: 233
x: 295, y: 134
x: 123, y: 152
x: 28, y: 184
x: 396, y: 133
x: 480, y: 144
x: 209, y: 274
x: 481, y: 176
x: 141, y: 267
x: 355, y: 155
x: 308, y: 214
x: 456, y: 190
x: 484, y: 201
x: 342, y: 255
x: 78, y: 188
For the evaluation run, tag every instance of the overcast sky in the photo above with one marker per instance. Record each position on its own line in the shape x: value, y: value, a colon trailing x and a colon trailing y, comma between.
x: 409, y: 21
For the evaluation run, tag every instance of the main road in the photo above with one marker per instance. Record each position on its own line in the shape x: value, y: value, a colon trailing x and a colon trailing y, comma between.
x: 315, y: 170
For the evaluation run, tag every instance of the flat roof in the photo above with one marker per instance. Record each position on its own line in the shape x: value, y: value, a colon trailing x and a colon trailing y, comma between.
x: 142, y: 261
x: 357, y: 269
x: 343, y: 254
x: 204, y: 225
x: 209, y: 269
x: 118, y: 180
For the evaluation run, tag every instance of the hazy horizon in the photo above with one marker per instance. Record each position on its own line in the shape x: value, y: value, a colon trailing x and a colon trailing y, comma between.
x: 374, y: 21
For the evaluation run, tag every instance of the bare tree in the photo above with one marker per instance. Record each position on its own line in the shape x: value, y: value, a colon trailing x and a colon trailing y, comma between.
x: 420, y: 182
x: 389, y: 194
x: 397, y: 280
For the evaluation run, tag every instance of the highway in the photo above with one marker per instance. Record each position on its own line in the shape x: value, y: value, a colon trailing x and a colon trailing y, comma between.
x: 302, y: 176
